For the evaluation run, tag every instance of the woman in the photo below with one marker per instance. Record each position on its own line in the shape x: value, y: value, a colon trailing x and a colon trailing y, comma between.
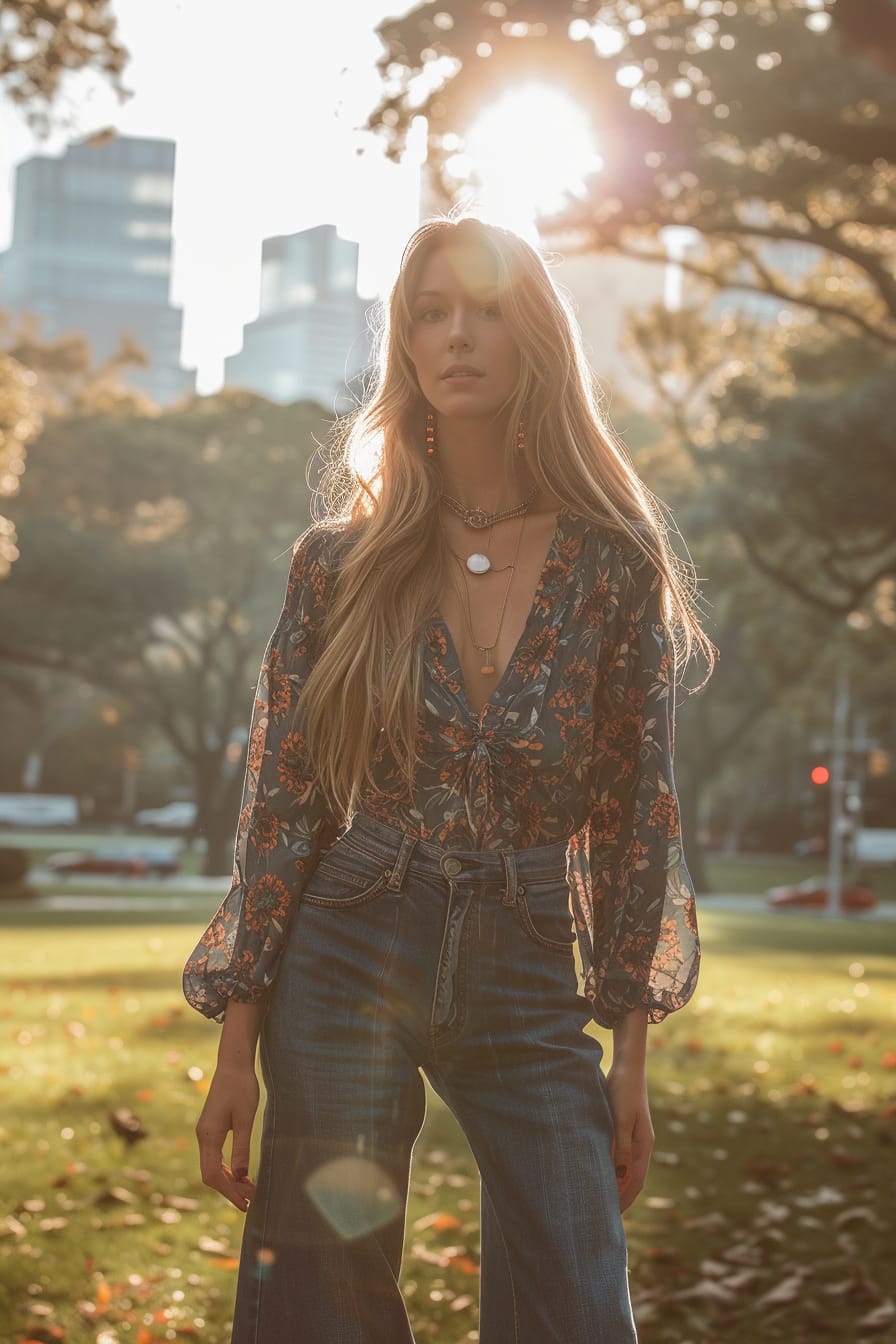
x: 459, y: 839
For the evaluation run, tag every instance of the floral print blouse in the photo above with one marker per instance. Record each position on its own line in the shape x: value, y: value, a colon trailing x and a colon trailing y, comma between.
x: 575, y: 742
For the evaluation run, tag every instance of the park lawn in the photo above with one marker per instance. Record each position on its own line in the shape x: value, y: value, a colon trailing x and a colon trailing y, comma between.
x: 753, y: 874
x: 769, y: 1208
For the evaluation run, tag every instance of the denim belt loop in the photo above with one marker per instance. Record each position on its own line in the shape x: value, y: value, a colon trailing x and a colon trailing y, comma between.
x: 402, y: 859
x: 510, y: 888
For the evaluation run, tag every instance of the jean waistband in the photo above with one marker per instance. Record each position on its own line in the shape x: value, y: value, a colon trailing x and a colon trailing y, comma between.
x: 400, y: 848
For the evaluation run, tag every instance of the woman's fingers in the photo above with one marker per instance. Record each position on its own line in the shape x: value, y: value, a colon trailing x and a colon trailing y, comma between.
x: 237, y: 1188
x: 640, y: 1148
x: 230, y: 1107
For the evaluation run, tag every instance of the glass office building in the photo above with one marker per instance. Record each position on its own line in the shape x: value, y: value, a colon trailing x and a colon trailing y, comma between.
x: 91, y: 252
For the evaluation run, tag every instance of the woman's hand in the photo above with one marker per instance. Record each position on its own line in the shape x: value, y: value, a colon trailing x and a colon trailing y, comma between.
x: 230, y: 1105
x: 632, y: 1129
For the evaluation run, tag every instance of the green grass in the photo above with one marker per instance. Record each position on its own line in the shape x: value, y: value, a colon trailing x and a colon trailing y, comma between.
x: 774, y: 1102
x: 753, y: 874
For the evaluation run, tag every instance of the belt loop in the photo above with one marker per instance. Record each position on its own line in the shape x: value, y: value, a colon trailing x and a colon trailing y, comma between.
x: 405, y: 850
x: 509, y: 857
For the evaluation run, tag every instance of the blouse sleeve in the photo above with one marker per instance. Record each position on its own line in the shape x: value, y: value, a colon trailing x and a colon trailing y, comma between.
x: 646, y: 946
x: 282, y: 814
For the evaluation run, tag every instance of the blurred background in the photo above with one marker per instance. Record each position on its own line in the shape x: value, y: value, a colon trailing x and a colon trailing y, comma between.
x: 201, y: 206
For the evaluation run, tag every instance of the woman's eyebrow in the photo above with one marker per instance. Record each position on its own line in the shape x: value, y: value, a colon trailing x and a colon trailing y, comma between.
x: 438, y: 293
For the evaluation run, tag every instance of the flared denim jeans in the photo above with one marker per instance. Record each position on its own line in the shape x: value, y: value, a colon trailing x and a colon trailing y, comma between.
x: 404, y: 959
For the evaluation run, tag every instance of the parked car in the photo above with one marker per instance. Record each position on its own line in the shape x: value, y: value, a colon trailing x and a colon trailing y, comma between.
x: 39, y: 809
x: 119, y: 862
x: 813, y: 894
x: 172, y: 817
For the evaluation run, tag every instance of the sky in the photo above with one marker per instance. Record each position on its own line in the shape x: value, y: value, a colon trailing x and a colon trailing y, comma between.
x: 263, y: 107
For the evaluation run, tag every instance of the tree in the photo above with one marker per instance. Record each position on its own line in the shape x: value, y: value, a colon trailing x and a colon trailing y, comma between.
x: 787, y: 432
x: 43, y: 40
x: 148, y: 570
x: 40, y: 379
x: 751, y: 123
x: 40, y: 42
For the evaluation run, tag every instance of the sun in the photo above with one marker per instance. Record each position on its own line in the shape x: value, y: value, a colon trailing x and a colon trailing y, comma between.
x: 525, y: 155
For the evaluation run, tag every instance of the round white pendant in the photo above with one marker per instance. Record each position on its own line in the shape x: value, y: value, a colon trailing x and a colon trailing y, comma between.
x: 478, y: 563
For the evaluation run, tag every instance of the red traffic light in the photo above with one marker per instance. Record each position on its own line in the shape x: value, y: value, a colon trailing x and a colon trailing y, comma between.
x: 820, y: 774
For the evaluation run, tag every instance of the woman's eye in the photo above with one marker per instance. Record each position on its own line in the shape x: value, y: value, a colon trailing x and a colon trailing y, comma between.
x: 430, y: 315
x: 491, y: 309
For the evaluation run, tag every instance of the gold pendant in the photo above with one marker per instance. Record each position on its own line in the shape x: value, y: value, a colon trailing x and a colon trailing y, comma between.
x: 487, y: 669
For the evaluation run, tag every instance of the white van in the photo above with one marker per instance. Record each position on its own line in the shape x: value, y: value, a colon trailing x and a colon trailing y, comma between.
x: 39, y: 809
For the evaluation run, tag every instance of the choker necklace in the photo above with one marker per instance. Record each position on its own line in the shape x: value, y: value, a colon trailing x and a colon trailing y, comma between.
x: 477, y: 562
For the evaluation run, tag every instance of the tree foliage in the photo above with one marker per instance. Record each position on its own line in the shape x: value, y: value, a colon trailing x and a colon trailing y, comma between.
x: 747, y: 121
x: 151, y: 546
x: 43, y: 40
x: 786, y: 430
x: 42, y: 379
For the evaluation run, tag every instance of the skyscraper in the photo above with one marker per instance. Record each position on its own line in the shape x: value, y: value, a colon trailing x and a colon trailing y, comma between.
x: 311, y: 337
x: 91, y: 252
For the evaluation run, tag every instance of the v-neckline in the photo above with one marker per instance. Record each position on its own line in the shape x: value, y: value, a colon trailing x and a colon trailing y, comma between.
x: 439, y: 620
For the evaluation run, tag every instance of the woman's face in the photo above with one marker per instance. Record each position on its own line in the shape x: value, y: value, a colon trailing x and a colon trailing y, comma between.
x: 467, y: 362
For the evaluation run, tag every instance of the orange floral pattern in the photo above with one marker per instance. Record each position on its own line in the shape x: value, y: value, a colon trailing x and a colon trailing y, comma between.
x: 575, y: 742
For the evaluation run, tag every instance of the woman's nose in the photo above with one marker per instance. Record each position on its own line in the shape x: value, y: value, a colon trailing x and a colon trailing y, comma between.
x: 458, y: 337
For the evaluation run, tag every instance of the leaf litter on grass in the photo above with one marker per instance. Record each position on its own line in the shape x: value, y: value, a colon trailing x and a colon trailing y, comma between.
x: 773, y: 1163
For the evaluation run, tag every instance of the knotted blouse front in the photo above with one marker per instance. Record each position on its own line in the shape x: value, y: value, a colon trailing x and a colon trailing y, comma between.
x: 574, y: 743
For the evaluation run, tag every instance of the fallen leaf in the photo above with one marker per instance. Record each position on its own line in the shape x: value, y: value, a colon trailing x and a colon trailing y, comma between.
x: 464, y: 1264
x: 860, y: 1215
x: 116, y: 1194
x: 787, y: 1291
x: 740, y: 1280
x: 126, y: 1124
x: 212, y: 1247
x: 706, y: 1290
x: 881, y: 1318
x: 183, y: 1202
x: 713, y: 1269
x: 421, y: 1252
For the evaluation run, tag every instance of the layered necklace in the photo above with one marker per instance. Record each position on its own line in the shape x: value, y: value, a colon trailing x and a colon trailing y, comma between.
x: 478, y: 562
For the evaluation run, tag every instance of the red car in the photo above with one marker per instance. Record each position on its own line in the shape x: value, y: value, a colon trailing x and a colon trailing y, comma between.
x: 118, y: 862
x: 812, y: 894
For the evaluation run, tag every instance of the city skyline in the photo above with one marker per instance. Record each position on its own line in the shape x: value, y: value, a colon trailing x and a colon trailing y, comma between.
x: 224, y: 92
x: 229, y: 195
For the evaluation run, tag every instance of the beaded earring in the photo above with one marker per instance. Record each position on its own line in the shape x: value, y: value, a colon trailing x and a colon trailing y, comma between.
x: 430, y: 434
x: 521, y: 438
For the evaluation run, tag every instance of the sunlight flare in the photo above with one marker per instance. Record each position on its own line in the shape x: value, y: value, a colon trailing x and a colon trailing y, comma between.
x: 525, y: 155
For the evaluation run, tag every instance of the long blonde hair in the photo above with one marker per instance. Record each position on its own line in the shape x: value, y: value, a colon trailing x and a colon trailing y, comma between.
x: 382, y: 491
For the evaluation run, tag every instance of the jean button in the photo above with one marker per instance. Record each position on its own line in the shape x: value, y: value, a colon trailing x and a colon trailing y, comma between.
x: 451, y: 866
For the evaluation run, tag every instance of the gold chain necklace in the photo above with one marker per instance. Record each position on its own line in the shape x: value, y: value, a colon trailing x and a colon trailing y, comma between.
x: 488, y: 667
